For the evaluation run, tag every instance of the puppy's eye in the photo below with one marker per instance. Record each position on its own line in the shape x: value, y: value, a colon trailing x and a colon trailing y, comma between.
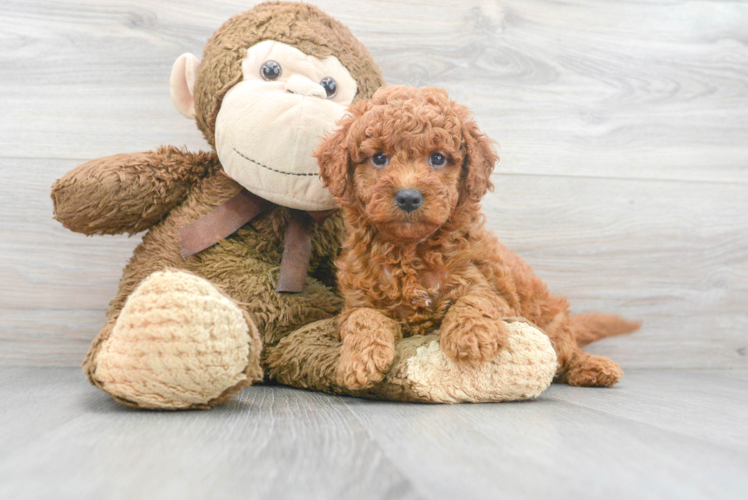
x: 380, y: 160
x: 437, y: 160
x: 330, y: 86
x: 270, y: 70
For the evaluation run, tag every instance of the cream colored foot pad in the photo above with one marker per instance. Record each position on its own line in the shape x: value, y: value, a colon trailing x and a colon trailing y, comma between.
x: 178, y: 343
x: 522, y: 370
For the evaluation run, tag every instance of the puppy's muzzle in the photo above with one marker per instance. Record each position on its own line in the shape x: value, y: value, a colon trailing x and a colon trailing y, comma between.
x: 408, y: 199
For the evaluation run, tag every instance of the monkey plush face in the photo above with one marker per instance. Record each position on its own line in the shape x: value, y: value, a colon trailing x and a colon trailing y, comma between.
x: 272, y: 82
x: 270, y: 123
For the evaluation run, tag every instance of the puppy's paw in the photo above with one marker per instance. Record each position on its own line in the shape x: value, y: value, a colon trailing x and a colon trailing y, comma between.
x: 593, y: 371
x: 474, y: 340
x: 361, y: 367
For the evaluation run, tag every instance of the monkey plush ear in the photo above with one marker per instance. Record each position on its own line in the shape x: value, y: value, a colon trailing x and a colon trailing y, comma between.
x: 182, y: 84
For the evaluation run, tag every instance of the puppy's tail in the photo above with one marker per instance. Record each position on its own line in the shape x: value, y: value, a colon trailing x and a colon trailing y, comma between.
x: 590, y: 327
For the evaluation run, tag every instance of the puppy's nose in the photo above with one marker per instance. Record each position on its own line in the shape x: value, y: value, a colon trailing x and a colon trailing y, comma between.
x: 408, y: 199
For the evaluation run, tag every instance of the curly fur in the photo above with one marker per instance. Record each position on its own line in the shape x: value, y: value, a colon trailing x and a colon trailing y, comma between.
x: 437, y: 267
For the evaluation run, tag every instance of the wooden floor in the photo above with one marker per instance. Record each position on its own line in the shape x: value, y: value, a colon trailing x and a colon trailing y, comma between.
x: 658, y: 434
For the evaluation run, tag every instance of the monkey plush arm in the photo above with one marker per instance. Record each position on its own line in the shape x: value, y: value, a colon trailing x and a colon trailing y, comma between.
x: 128, y: 193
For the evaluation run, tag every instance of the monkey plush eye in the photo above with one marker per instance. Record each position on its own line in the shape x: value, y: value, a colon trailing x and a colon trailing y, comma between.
x: 380, y: 160
x: 437, y: 160
x: 271, y: 70
x: 330, y: 86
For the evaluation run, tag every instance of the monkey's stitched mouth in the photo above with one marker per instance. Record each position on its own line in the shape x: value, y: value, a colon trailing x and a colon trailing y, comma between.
x: 272, y: 169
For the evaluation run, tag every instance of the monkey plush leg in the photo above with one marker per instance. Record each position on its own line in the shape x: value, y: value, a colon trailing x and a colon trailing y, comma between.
x: 308, y: 358
x: 177, y: 344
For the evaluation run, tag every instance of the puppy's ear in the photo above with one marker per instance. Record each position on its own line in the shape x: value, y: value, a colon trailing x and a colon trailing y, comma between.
x: 333, y: 156
x: 333, y: 161
x: 481, y: 156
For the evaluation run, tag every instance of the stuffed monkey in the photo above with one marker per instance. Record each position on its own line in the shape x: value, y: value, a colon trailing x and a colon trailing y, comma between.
x: 234, y: 278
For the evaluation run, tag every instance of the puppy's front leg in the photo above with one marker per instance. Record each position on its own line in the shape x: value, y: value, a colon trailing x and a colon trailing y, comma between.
x: 368, y: 350
x: 473, y: 330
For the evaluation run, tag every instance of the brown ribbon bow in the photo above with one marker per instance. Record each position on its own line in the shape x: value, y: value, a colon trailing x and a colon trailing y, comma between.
x: 228, y: 217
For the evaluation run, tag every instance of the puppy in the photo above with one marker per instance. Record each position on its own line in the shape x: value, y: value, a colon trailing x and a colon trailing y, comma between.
x: 409, y: 168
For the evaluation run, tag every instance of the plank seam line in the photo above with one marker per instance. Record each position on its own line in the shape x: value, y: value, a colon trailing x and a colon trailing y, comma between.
x: 407, y: 477
x: 496, y: 174
x: 618, y: 178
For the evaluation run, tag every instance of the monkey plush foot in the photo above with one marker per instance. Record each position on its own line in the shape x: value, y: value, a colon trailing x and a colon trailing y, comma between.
x: 178, y: 344
x: 522, y: 369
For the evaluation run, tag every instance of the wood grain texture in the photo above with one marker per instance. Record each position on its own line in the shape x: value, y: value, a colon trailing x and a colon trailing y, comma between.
x: 624, y: 161
x: 553, y: 448
x: 698, y: 404
x: 64, y: 439
x: 264, y: 444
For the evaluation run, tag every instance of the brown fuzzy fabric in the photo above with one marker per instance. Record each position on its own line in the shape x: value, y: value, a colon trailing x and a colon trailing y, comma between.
x: 409, y: 272
x: 244, y: 266
x: 167, y: 189
x: 128, y: 193
x: 590, y: 327
x: 308, y: 359
x: 300, y: 25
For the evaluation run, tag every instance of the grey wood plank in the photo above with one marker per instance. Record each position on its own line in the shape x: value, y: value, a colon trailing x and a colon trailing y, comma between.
x: 621, y: 89
x: 35, y: 402
x: 711, y: 406
x: 554, y: 448
x: 62, y: 438
x: 53, y: 337
x: 65, y: 439
x: 60, y: 268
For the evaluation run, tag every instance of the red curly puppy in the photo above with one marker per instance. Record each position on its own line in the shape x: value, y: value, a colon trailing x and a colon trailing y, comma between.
x: 409, y: 167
